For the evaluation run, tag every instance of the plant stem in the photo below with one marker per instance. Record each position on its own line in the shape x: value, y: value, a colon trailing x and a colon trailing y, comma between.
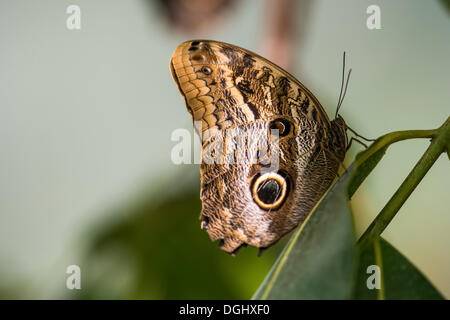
x: 392, y: 137
x: 439, y: 144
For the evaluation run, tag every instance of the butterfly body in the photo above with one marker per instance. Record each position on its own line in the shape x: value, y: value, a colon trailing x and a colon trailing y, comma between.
x: 236, y: 99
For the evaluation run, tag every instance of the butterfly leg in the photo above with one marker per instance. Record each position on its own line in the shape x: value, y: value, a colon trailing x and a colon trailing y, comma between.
x: 358, y: 135
x: 357, y: 140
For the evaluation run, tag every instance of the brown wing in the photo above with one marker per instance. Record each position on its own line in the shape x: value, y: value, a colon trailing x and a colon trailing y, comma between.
x: 226, y: 86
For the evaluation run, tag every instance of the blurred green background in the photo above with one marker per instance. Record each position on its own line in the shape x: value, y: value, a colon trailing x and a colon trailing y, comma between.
x: 86, y: 118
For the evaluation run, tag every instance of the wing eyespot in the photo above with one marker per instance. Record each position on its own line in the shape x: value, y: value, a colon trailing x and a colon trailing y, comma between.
x: 270, y: 190
x: 206, y: 70
x: 282, y: 125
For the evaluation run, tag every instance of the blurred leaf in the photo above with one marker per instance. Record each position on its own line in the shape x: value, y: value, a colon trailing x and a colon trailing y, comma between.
x: 158, y: 251
x: 399, y: 278
x: 319, y: 260
x: 446, y: 4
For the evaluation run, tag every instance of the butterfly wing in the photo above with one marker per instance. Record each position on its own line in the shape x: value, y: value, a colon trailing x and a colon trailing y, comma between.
x: 226, y: 85
x: 235, y: 98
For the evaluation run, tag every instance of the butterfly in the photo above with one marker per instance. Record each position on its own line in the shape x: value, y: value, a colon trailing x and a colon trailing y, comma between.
x: 269, y: 150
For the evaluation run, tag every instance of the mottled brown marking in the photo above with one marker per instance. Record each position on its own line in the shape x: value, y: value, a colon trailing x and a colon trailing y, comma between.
x: 247, y: 92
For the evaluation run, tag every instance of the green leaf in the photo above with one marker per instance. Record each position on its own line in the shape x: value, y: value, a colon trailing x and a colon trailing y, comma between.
x: 399, y: 278
x: 364, y: 169
x: 446, y: 4
x: 319, y: 260
x: 156, y: 250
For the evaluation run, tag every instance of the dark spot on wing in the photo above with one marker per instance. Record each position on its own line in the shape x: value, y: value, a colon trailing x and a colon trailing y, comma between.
x: 230, y: 53
x: 223, y: 82
x: 314, y: 114
x: 229, y: 98
x: 254, y: 110
x: 284, y: 85
x: 244, y: 86
x: 248, y: 60
x: 238, y: 71
x: 305, y: 104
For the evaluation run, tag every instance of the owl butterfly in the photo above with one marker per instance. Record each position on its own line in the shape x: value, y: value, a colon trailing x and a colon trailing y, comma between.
x: 269, y: 150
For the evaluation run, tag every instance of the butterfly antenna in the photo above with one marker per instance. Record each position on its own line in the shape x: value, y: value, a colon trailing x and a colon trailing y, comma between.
x: 342, y: 94
x: 342, y: 85
x: 343, y: 90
